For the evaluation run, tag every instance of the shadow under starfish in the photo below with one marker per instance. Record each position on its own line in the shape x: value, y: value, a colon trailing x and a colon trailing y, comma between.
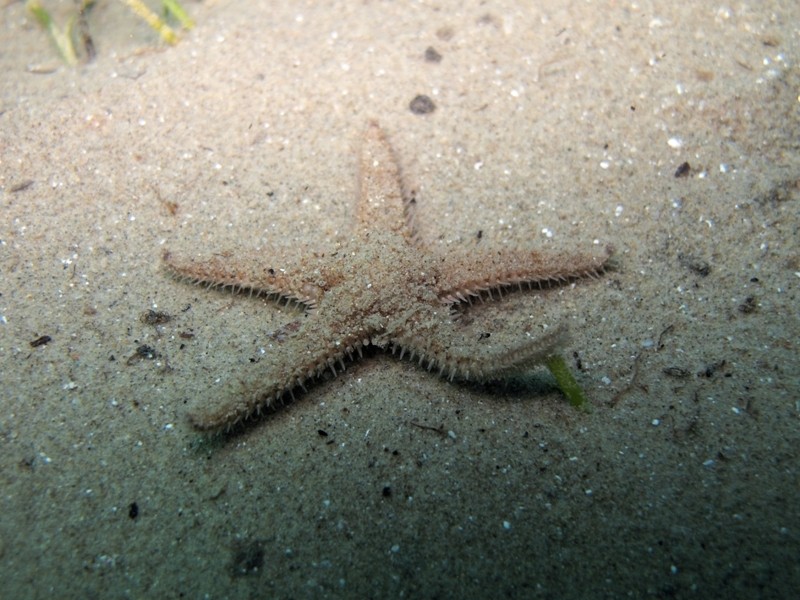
x: 382, y: 287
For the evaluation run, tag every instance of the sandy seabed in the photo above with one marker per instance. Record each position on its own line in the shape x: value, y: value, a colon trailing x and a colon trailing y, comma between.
x: 669, y: 132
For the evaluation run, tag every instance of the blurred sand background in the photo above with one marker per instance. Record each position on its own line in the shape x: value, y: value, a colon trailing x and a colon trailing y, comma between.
x: 557, y: 126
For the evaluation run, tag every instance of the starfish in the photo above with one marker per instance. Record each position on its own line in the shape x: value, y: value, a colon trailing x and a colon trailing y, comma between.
x: 382, y: 287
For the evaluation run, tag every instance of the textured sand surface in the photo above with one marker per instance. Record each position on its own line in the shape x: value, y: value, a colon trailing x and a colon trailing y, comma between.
x: 562, y: 126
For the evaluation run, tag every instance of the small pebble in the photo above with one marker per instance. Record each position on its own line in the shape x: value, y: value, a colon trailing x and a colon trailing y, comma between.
x: 422, y: 105
x: 431, y: 55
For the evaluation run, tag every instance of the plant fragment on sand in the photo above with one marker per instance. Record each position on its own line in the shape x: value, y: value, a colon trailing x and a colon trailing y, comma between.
x: 62, y: 38
x: 566, y: 382
x: 171, y: 7
x: 74, y: 42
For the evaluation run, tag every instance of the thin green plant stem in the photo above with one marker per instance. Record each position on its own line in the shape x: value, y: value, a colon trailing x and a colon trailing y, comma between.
x: 153, y: 20
x: 566, y: 382
x: 174, y: 8
x: 61, y: 38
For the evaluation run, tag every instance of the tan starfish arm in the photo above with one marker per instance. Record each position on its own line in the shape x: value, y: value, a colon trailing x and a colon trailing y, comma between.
x: 465, y: 276
x: 222, y: 271
x: 381, y: 205
x: 455, y: 358
x: 290, y: 366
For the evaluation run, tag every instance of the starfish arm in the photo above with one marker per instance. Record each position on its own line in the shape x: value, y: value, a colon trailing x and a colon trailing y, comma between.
x: 455, y: 358
x: 381, y: 205
x: 305, y: 356
x: 222, y: 271
x: 465, y: 276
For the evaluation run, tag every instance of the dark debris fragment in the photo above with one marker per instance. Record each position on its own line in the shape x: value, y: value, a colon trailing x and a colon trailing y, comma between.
x: 41, y: 341
x: 676, y: 372
x: 695, y: 264
x: 748, y: 305
x: 683, y: 170
x: 422, y: 105
x: 431, y: 55
x: 154, y: 317
x: 143, y: 352
x: 712, y: 369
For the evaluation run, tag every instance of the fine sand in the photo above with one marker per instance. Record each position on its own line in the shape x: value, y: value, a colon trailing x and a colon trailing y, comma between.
x: 668, y: 130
